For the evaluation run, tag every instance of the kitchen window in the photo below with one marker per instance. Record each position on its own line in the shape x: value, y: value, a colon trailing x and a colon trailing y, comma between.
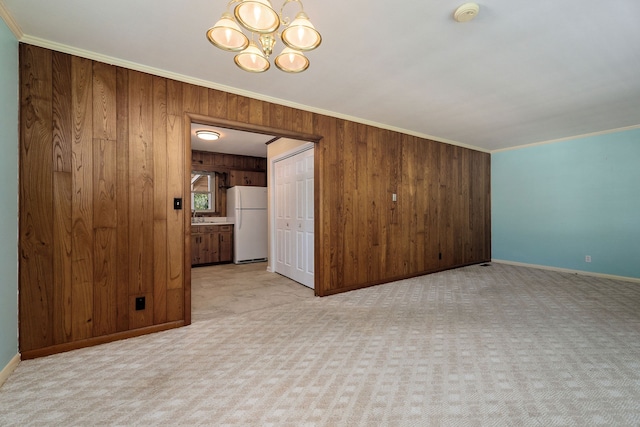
x: 203, y: 185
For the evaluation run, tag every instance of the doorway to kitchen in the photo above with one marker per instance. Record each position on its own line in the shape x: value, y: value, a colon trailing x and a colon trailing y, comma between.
x: 296, y: 140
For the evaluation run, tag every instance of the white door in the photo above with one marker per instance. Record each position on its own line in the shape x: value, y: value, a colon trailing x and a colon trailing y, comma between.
x: 294, y: 217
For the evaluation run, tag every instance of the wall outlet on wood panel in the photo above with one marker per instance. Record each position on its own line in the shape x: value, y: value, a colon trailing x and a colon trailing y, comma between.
x: 140, y: 303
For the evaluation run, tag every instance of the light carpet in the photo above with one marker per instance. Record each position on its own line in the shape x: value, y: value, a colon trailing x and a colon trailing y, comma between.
x: 476, y: 346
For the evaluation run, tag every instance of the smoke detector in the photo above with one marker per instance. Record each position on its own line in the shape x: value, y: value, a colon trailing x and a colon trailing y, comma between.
x: 466, y: 12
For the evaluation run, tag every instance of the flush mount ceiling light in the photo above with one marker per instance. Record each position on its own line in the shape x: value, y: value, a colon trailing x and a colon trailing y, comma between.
x: 207, y: 135
x: 466, y: 12
x: 260, y: 19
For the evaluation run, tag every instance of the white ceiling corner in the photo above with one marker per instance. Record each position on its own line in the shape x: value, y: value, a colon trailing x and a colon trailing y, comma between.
x: 7, y: 17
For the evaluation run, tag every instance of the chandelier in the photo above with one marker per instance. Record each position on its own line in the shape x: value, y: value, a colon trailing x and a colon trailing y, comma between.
x: 260, y: 19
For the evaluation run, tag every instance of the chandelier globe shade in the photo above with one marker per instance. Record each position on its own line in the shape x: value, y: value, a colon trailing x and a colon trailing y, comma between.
x: 227, y: 35
x: 257, y: 16
x: 252, y: 28
x: 291, y: 61
x: 301, y: 34
x: 252, y: 60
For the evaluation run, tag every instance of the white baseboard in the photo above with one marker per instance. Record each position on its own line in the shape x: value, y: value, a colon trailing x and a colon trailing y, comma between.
x: 8, y: 370
x: 566, y: 270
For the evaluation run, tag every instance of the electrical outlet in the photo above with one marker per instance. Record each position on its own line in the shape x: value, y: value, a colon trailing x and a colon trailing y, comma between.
x: 140, y: 303
x: 587, y: 258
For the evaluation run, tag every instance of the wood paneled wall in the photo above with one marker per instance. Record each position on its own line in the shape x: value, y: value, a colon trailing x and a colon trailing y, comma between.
x: 441, y: 218
x: 103, y: 154
x: 97, y: 181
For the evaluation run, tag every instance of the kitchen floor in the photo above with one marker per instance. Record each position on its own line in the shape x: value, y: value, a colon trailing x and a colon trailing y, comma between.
x: 230, y: 289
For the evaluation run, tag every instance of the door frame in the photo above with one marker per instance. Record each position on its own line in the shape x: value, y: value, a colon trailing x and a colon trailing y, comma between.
x: 247, y: 127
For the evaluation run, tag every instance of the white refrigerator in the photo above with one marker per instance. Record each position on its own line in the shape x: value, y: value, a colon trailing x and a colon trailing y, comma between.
x: 247, y: 209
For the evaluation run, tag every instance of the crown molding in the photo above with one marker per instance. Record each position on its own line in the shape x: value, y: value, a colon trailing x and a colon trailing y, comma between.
x: 568, y: 138
x: 19, y: 34
x: 11, y: 23
x: 212, y: 85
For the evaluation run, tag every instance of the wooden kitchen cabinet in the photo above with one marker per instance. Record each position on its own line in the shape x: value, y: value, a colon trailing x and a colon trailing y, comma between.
x: 211, y: 244
x: 204, y: 249
x: 226, y: 243
x: 256, y: 179
x: 254, y: 164
x: 219, y: 162
x: 196, y: 242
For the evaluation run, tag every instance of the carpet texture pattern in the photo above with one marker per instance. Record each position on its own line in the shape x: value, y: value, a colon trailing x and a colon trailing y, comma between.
x: 476, y: 346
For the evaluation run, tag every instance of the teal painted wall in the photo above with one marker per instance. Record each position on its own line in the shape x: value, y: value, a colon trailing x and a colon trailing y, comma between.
x: 9, y: 192
x: 553, y: 204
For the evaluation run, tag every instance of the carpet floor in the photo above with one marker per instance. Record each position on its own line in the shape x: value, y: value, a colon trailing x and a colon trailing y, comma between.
x: 476, y: 346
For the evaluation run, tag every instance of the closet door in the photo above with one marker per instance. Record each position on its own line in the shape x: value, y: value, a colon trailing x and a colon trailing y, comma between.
x: 294, y: 217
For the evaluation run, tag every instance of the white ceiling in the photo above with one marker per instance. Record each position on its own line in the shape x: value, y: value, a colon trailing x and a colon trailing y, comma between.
x: 522, y: 72
x: 231, y: 141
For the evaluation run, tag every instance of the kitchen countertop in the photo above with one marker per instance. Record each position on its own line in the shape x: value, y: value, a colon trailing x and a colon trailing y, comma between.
x: 211, y: 223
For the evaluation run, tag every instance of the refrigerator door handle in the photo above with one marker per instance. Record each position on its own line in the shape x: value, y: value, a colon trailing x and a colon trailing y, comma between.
x: 239, y: 210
